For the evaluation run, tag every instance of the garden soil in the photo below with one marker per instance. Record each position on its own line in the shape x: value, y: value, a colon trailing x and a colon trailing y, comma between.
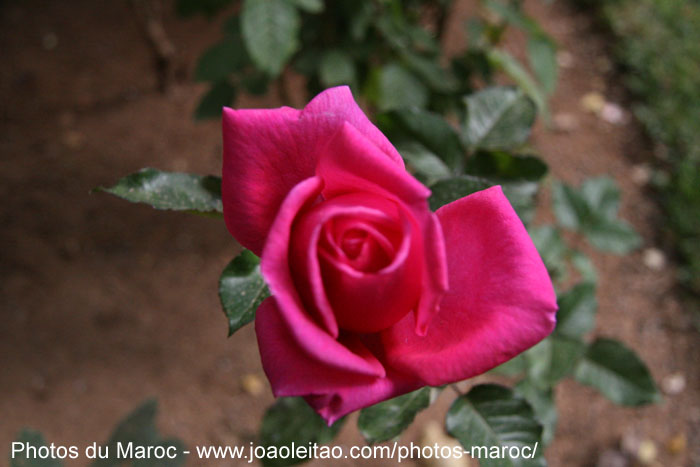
x: 105, y: 304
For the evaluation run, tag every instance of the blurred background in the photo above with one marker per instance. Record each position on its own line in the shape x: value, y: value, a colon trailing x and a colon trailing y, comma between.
x: 104, y: 304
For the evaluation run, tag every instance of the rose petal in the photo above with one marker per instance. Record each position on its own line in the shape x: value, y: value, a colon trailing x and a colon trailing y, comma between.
x: 352, y: 163
x: 333, y: 406
x: 294, y: 371
x: 500, y: 302
x: 305, y: 249
x: 267, y: 152
x: 319, y: 347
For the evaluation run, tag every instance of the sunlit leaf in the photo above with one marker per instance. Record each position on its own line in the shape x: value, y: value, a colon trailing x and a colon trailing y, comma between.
x: 498, y: 118
x: 170, y: 190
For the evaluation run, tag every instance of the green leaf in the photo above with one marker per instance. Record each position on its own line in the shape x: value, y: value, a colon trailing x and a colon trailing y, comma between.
x: 35, y: 439
x: 170, y: 190
x: 617, y: 372
x: 542, y: 402
x: 616, y: 237
x: 311, y: 6
x: 429, y: 129
x: 140, y: 429
x: 291, y: 420
x: 337, y: 68
x: 220, y: 60
x: 584, y: 266
x: 495, y: 417
x: 551, y: 248
x: 241, y: 290
x: 218, y: 96
x: 516, y: 366
x: 270, y: 31
x: 569, y: 207
x: 502, y: 60
x: 451, y: 189
x: 498, y: 117
x: 424, y: 162
x: 552, y: 359
x: 255, y: 82
x: 520, y: 195
x: 431, y: 73
x: 542, y: 53
x: 388, y: 419
x: 577, y: 309
x: 602, y: 196
x: 506, y: 166
x: 592, y: 210
x: 400, y: 89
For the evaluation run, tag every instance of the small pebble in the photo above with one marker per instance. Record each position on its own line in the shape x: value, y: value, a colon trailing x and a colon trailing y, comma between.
x: 565, y: 59
x: 654, y: 259
x: 677, y: 444
x: 73, y: 139
x: 252, y: 384
x: 641, y: 174
x: 613, y: 113
x: 673, y: 384
x: 647, y: 452
x: 565, y: 122
x: 593, y: 102
x: 49, y: 41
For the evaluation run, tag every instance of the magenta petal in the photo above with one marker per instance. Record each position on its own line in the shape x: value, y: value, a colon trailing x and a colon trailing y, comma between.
x: 500, y: 302
x: 269, y: 151
x: 320, y: 347
x: 353, y: 163
x: 335, y: 405
x: 294, y: 371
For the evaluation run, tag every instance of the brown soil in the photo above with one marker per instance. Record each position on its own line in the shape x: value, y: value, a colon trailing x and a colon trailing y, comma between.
x: 105, y: 303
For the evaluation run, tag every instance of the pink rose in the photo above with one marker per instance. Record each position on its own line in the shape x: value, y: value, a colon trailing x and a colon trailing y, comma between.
x: 373, y: 295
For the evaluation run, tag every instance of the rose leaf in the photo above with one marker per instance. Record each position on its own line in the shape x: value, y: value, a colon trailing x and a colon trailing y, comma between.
x: 617, y: 372
x: 170, y: 190
x: 493, y: 417
x: 242, y: 290
x: 388, y: 419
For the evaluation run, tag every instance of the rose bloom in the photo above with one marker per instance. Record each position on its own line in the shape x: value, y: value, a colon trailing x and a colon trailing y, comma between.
x: 373, y: 295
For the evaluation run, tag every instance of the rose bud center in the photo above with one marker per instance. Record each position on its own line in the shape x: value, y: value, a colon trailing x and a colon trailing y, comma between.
x: 356, y: 260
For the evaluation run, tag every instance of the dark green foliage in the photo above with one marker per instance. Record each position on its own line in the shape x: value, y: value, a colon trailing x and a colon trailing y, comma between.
x: 241, y: 290
x: 291, y: 420
x: 491, y: 415
x: 617, y: 373
x: 170, y: 190
x: 668, y: 104
x: 388, y: 419
x: 35, y: 439
x: 138, y: 429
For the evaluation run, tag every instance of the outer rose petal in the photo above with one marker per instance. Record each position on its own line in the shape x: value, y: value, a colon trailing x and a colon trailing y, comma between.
x: 267, y: 152
x: 293, y: 371
x: 353, y: 163
x: 500, y: 301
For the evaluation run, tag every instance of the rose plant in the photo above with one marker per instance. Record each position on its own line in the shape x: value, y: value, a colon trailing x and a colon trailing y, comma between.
x: 397, y: 267
x: 373, y: 295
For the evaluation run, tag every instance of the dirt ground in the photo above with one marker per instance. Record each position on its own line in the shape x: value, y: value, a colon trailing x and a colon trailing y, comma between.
x: 105, y: 303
